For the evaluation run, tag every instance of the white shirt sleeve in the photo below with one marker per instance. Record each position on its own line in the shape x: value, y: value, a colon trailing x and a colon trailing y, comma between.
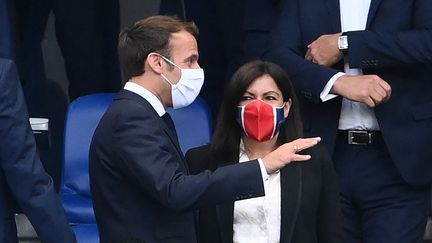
x: 325, y: 94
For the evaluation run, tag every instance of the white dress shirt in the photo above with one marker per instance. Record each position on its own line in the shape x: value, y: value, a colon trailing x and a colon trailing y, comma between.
x: 258, y: 219
x: 354, y: 115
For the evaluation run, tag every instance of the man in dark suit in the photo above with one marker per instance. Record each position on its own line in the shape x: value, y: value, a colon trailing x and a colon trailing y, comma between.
x: 363, y: 71
x: 22, y: 177
x: 139, y: 179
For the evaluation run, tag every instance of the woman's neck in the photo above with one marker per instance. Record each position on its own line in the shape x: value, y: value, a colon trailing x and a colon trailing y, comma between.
x: 255, y: 149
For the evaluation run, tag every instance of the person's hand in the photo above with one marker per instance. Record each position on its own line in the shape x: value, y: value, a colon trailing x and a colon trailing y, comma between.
x: 324, y: 50
x: 288, y: 153
x: 368, y: 89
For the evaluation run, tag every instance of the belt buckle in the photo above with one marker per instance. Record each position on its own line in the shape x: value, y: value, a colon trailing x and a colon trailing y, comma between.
x: 351, y: 137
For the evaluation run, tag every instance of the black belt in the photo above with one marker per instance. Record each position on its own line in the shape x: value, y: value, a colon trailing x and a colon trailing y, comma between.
x: 361, y: 137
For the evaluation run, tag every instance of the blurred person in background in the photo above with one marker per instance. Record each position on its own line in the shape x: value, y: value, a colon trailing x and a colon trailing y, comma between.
x: 23, y: 180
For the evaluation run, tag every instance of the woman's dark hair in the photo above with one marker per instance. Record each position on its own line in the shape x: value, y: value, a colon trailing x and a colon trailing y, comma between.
x: 145, y: 36
x: 227, y: 134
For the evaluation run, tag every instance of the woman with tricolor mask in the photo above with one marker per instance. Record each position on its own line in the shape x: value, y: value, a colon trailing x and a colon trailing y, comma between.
x: 259, y: 112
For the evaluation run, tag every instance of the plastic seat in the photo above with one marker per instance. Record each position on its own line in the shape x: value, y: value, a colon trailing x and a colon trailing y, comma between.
x: 82, y: 118
x: 193, y: 125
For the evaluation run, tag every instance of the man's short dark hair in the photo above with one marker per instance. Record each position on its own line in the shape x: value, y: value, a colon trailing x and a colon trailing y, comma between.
x: 145, y: 36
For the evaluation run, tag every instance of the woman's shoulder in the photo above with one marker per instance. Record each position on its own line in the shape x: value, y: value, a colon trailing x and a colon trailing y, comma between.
x: 199, y: 159
x: 198, y: 152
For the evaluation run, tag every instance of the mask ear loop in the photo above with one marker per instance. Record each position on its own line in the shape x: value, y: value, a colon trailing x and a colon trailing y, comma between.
x: 170, y: 62
x: 283, y: 105
x: 166, y: 79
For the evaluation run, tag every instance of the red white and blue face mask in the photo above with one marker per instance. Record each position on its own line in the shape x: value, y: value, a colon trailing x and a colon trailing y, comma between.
x: 259, y: 120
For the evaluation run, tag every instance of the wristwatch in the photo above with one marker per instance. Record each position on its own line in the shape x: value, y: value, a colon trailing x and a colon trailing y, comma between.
x: 343, y: 44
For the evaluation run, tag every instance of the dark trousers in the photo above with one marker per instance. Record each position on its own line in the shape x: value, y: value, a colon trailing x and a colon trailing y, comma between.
x: 86, y: 31
x: 377, y: 204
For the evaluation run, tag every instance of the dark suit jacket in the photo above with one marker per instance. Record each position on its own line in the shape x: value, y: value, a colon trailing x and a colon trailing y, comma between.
x: 22, y: 177
x: 139, y: 179
x: 309, y: 200
x: 397, y: 46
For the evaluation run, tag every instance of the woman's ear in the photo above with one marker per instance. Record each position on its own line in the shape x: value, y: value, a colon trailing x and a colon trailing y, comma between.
x: 287, y: 107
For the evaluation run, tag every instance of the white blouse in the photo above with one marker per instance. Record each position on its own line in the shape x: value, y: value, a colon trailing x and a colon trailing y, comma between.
x: 258, y: 219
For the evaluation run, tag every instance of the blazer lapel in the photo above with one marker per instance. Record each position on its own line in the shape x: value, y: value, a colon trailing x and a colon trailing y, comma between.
x: 225, y: 215
x: 372, y: 11
x: 166, y: 122
x: 169, y: 128
x: 291, y: 197
x: 334, y: 12
x: 225, y: 212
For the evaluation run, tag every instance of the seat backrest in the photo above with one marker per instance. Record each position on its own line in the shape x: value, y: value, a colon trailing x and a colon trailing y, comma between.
x: 82, y: 119
x: 193, y: 125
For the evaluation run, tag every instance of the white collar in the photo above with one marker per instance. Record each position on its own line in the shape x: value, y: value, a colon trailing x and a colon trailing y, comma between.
x: 147, y: 95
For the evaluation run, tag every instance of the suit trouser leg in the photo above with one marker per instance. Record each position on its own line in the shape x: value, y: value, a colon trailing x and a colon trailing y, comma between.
x: 377, y: 204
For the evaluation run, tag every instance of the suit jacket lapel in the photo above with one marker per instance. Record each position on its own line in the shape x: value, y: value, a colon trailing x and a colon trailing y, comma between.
x: 372, y: 11
x: 171, y: 131
x: 126, y: 94
x: 291, y: 196
x: 225, y: 212
x: 334, y: 12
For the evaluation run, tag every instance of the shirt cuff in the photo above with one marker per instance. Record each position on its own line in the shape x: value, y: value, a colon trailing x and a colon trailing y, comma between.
x: 325, y: 94
x: 264, y: 173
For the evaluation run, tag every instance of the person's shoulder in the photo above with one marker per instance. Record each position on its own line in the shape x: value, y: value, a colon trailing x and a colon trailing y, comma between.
x: 198, y: 153
x: 130, y: 106
x: 199, y: 159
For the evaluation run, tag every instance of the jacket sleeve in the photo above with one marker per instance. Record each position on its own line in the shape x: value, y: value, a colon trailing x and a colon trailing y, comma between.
x: 286, y: 49
x: 149, y: 156
x: 410, y: 44
x: 31, y: 186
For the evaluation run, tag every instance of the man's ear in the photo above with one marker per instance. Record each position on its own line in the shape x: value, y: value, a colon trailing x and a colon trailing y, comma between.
x: 154, y: 62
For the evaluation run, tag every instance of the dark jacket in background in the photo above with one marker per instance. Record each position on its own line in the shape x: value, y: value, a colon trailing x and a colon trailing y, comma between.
x: 22, y: 176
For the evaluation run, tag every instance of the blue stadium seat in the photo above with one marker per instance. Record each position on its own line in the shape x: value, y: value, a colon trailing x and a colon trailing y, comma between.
x: 82, y: 118
x: 193, y: 125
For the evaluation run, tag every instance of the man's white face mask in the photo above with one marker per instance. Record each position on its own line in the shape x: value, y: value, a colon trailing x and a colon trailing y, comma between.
x: 185, y: 91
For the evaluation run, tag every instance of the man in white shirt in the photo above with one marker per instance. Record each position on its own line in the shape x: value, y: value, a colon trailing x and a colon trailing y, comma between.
x: 363, y: 70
